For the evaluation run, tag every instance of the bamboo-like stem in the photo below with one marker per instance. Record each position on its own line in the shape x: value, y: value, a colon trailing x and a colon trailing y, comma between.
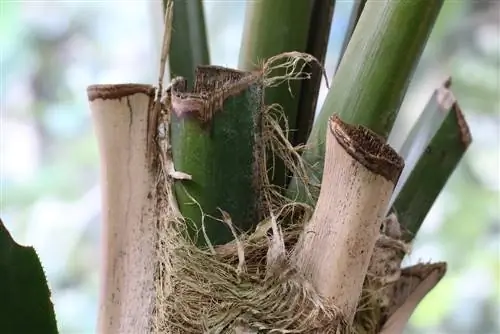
x: 317, y: 43
x: 336, y: 246
x: 189, y: 44
x: 215, y: 137
x: 372, y: 79
x: 357, y: 9
x: 433, y: 169
x: 271, y: 28
x: 25, y: 305
x: 430, y: 120
x: 124, y: 121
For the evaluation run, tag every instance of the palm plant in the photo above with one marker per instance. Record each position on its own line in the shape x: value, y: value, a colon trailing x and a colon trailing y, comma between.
x: 227, y: 209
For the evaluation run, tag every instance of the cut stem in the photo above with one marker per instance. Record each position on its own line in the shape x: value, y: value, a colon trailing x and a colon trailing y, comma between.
x: 429, y: 122
x: 432, y: 171
x: 411, y: 288
x: 215, y: 136
x: 336, y: 246
x: 125, y: 123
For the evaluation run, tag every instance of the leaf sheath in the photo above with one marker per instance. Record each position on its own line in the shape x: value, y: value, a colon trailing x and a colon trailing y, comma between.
x: 215, y: 139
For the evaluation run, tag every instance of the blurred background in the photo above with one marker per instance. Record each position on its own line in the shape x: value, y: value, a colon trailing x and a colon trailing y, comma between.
x: 50, y: 195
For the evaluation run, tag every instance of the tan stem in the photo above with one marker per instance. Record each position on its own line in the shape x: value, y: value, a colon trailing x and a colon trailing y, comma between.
x: 124, y: 120
x: 336, y: 246
x: 413, y: 285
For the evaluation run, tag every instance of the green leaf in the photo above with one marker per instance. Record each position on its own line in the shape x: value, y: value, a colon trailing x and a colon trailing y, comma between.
x: 25, y: 305
x: 214, y: 137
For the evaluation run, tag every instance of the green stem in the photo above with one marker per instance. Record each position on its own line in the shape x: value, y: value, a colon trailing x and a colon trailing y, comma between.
x: 189, y: 46
x: 215, y: 138
x: 357, y: 9
x: 271, y: 28
x: 373, y: 76
x: 317, y: 43
x: 429, y: 122
x: 430, y: 174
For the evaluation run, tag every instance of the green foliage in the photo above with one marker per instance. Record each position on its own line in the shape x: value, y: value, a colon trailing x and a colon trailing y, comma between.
x: 25, y: 305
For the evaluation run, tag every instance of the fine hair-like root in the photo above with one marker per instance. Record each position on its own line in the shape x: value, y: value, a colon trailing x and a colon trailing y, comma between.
x: 248, y: 285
